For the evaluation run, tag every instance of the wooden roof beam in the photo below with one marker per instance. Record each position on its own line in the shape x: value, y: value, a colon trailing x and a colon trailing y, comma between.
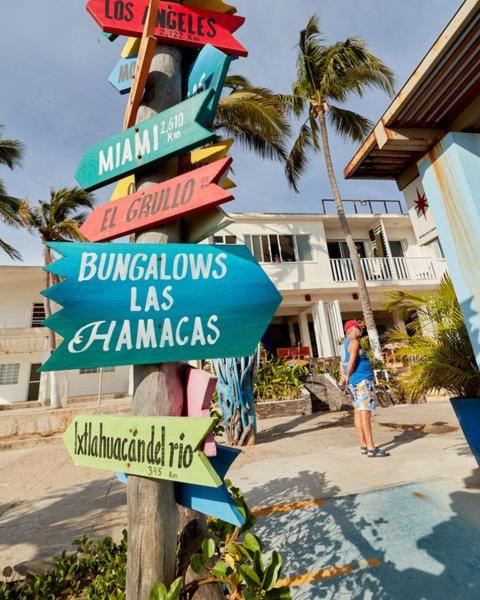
x: 411, y: 139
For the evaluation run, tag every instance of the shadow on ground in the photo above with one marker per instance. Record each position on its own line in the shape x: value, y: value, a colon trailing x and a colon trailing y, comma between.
x: 65, y: 515
x: 425, y: 537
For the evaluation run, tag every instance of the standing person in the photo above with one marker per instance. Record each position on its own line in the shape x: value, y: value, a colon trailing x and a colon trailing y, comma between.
x: 357, y: 374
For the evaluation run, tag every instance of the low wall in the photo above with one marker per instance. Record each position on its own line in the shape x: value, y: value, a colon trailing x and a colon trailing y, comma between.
x: 44, y: 422
x: 284, y: 408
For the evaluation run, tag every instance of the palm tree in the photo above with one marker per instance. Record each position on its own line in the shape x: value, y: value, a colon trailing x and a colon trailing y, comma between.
x: 56, y: 221
x: 253, y: 116
x: 11, y: 153
x: 327, y: 75
x: 436, y: 344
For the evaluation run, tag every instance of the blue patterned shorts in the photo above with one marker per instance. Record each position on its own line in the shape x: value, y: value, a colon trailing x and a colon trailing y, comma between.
x: 364, y: 397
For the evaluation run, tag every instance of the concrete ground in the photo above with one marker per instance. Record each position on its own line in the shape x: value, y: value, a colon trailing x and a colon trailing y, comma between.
x: 348, y: 527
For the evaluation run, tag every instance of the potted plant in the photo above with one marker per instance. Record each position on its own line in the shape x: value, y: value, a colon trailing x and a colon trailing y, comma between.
x: 439, y: 354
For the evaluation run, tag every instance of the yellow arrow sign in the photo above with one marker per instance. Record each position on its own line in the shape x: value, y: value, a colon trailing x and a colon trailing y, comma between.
x: 216, y: 5
x: 205, y: 156
x: 131, y: 48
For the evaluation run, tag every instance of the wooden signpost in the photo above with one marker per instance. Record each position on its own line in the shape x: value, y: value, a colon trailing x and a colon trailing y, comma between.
x: 207, y: 72
x: 157, y: 447
x: 122, y: 74
x: 176, y: 24
x: 156, y: 303
x: 172, y: 199
x: 175, y: 130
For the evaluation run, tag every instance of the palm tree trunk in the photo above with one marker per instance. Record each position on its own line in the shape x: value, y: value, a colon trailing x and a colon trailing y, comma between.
x: 54, y: 397
x: 355, y: 258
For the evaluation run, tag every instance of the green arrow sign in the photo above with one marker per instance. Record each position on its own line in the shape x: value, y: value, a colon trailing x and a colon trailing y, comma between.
x: 173, y: 131
x: 157, y: 447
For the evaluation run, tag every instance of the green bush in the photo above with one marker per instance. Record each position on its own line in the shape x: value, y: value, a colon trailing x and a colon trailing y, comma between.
x: 230, y: 556
x: 278, y: 380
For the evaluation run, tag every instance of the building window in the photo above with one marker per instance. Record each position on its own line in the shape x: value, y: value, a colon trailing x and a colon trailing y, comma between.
x: 225, y: 239
x: 279, y: 248
x: 90, y: 371
x: 340, y: 249
x: 38, y: 314
x: 9, y: 373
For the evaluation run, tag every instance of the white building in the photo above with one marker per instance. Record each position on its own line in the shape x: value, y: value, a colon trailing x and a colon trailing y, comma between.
x: 305, y: 257
x: 24, y: 345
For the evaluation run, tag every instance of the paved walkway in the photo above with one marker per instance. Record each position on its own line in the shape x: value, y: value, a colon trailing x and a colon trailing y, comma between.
x: 348, y: 527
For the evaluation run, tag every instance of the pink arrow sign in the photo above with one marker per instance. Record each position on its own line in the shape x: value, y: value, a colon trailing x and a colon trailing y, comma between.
x: 200, y: 388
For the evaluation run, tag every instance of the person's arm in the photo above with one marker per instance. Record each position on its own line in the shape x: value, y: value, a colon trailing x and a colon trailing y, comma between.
x: 354, y: 351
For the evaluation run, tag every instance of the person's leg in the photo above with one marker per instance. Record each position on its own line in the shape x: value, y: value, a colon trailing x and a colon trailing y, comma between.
x: 359, y: 428
x: 366, y: 424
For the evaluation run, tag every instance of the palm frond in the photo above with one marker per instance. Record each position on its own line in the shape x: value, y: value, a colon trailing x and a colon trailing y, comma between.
x: 297, y: 161
x: 10, y: 250
x: 11, y: 152
x: 350, y: 125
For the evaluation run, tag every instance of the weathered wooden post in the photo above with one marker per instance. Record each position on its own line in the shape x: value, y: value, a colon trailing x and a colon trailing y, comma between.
x: 158, y: 389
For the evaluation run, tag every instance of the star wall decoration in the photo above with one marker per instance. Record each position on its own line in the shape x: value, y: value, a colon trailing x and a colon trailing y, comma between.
x: 421, y: 204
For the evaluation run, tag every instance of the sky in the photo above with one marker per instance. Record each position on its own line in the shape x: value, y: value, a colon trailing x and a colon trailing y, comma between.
x: 55, y: 98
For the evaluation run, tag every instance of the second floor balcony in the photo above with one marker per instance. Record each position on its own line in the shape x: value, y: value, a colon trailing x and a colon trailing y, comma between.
x: 389, y: 269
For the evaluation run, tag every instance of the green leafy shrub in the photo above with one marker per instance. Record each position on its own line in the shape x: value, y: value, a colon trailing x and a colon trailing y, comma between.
x: 278, y: 380
x: 436, y: 345
x: 95, y: 571
x: 229, y: 556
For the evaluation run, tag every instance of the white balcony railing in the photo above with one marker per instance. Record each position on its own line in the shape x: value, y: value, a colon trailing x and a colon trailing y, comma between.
x: 389, y: 269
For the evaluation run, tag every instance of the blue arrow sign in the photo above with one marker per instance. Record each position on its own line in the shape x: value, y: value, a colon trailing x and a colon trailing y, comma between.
x: 173, y: 131
x: 127, y: 304
x: 208, y: 72
x: 214, y: 502
x: 122, y: 74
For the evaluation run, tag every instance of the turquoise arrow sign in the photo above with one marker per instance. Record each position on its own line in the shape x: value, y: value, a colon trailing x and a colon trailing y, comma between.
x: 127, y: 304
x: 173, y: 131
x: 122, y: 74
x: 208, y: 72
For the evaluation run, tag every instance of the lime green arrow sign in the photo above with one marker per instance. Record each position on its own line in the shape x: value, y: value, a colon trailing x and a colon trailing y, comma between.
x: 157, y: 447
x: 173, y: 131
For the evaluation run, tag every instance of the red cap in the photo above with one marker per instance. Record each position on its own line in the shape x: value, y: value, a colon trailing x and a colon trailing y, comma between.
x: 350, y: 324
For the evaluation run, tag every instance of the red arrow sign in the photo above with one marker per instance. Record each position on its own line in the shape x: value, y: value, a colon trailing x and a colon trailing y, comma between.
x: 176, y: 24
x: 159, y: 203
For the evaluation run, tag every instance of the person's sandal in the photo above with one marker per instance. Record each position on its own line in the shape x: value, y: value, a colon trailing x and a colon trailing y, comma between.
x: 377, y: 453
x: 363, y: 450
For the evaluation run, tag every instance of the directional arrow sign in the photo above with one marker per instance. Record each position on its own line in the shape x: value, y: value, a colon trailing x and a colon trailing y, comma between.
x: 159, y: 203
x: 131, y: 47
x: 208, y: 72
x: 200, y: 388
x: 176, y: 24
x: 122, y: 74
x: 173, y: 131
x: 125, y: 187
x: 216, y: 5
x: 201, y: 226
x: 214, y: 502
x: 127, y: 304
x: 157, y: 447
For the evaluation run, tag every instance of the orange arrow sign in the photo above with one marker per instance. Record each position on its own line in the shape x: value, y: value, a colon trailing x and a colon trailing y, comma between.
x: 178, y: 197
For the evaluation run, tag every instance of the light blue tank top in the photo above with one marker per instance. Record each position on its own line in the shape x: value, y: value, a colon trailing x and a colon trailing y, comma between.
x: 363, y: 368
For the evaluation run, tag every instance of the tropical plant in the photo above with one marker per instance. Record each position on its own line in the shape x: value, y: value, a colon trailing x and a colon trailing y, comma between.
x: 278, y: 380
x: 435, y: 344
x: 253, y: 116
x: 227, y: 555
x: 58, y: 220
x: 11, y: 153
x: 328, y: 75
